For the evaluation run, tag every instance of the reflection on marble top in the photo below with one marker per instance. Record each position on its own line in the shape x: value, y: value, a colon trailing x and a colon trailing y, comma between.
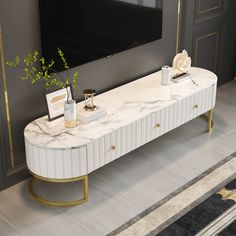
x: 124, y: 105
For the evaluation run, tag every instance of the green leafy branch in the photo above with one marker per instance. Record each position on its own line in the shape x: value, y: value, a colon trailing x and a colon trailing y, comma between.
x: 33, y: 72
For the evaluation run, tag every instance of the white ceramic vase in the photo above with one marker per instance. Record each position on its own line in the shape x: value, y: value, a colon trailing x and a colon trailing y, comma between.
x: 70, y: 113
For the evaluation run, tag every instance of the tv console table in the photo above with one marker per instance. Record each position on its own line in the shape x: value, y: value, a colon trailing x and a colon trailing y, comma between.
x: 137, y: 113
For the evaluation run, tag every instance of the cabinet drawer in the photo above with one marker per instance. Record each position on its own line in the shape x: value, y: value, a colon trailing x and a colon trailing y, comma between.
x: 195, y: 105
x: 180, y: 112
x: 162, y: 121
x: 111, y: 146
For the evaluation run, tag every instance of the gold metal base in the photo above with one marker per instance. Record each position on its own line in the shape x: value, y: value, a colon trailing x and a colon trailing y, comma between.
x: 94, y: 108
x: 57, y: 203
x: 209, y: 119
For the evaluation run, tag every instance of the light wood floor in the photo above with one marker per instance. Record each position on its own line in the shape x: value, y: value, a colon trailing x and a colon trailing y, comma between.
x: 124, y: 188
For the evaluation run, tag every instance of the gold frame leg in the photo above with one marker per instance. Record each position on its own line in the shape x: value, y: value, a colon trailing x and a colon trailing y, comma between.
x: 209, y: 119
x: 44, y: 201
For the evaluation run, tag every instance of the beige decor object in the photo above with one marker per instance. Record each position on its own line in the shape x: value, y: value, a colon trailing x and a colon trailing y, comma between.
x: 181, y: 62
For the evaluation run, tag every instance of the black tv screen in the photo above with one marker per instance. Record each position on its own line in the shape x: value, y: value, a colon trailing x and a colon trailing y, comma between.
x: 87, y: 30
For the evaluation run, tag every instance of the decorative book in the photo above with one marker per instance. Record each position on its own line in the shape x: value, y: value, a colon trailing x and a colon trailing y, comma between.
x: 89, y: 116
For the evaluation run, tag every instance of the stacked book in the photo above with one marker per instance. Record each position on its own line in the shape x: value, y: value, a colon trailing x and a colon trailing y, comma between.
x: 89, y: 116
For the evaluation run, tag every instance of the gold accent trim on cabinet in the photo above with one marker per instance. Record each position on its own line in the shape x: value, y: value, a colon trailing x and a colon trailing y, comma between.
x: 178, y: 28
x: 209, y: 119
x: 6, y: 102
x: 56, y: 180
x: 203, y: 37
x: 209, y: 9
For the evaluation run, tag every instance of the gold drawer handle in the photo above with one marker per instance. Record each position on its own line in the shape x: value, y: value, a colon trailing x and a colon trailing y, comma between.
x: 195, y: 106
x: 113, y: 147
x: 157, y: 125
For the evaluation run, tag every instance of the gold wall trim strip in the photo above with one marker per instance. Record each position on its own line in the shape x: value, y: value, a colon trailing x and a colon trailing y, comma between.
x: 178, y: 28
x: 16, y: 169
x: 204, y: 37
x: 209, y: 9
x: 6, y: 102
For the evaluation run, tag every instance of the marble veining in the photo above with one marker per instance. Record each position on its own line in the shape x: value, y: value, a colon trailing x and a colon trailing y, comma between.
x: 124, y: 105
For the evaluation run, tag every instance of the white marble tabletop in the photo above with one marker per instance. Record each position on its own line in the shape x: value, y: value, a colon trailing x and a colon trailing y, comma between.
x: 124, y: 105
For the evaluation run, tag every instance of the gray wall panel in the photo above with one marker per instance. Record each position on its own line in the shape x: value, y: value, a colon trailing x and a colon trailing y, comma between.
x: 210, y: 34
x: 206, y: 51
x: 208, y: 8
x: 20, y: 32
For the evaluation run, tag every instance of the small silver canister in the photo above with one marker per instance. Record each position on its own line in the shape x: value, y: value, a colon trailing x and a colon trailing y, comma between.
x: 165, y: 75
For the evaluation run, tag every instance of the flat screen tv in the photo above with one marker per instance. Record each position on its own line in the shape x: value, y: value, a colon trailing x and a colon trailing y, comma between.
x: 87, y: 30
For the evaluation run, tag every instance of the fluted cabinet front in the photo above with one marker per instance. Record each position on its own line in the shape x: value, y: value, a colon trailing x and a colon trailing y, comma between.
x: 134, y: 135
x: 57, y: 164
